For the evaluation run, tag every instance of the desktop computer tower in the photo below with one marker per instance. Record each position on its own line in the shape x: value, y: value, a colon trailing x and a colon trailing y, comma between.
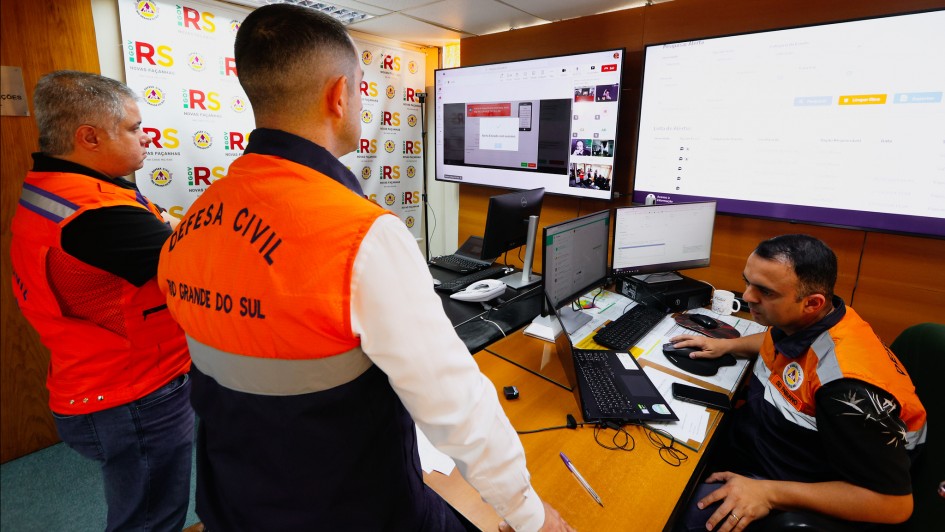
x: 669, y: 296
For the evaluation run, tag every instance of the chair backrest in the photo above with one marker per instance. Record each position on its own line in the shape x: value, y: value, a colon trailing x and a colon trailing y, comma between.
x: 921, y: 349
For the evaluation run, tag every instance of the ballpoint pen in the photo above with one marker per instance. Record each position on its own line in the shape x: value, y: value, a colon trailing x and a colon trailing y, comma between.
x: 583, y: 482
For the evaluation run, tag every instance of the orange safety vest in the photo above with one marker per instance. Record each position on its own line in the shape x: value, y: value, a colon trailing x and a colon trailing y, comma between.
x: 258, y: 273
x: 849, y: 350
x: 92, y: 367
x: 269, y: 263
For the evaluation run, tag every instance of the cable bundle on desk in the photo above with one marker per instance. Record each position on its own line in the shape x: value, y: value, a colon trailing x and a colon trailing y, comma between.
x: 670, y: 454
x: 624, y: 441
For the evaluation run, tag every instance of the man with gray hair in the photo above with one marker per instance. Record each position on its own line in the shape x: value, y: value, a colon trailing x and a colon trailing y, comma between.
x: 84, y: 250
x: 309, y: 383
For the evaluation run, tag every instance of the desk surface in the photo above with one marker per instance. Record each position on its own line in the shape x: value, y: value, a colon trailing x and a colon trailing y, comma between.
x: 510, y: 311
x: 639, y: 490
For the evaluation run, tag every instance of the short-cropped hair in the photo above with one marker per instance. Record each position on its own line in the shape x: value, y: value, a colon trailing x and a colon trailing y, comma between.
x: 814, y: 263
x: 285, y: 54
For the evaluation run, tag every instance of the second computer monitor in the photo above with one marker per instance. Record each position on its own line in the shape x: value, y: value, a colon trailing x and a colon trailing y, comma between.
x: 651, y: 241
x: 507, y: 221
x: 574, y: 260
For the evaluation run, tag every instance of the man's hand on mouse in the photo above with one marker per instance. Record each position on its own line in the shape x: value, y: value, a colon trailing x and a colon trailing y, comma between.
x: 707, y: 347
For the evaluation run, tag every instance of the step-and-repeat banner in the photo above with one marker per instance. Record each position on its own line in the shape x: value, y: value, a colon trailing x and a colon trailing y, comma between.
x: 179, y: 59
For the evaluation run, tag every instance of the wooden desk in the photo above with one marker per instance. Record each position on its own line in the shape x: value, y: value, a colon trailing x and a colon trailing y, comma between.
x: 639, y: 490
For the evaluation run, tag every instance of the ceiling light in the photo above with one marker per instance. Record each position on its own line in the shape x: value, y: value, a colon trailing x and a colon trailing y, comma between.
x: 343, y: 14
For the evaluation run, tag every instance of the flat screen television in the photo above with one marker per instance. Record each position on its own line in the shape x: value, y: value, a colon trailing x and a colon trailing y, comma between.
x: 651, y: 242
x: 574, y: 261
x: 549, y: 123
x: 838, y: 124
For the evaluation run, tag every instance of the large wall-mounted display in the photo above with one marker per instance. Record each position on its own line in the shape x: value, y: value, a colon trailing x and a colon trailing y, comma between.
x: 840, y: 124
x: 542, y: 123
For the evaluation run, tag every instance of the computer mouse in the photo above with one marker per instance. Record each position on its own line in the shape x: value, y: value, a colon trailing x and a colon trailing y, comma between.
x: 705, y: 321
x: 705, y: 367
x: 669, y: 349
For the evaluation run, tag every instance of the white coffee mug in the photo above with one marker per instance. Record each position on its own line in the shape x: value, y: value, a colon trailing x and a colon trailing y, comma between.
x: 724, y: 302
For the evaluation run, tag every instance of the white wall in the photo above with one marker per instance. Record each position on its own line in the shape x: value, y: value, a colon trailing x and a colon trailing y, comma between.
x: 443, y: 198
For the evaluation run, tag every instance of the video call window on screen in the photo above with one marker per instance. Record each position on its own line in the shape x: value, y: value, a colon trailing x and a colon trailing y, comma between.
x: 549, y: 122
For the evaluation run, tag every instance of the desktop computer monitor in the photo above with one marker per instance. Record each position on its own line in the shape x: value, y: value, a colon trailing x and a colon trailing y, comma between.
x: 651, y: 241
x: 508, y: 227
x: 574, y: 260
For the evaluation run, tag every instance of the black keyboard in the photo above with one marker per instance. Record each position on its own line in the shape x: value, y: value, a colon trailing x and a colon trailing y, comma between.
x: 624, y: 332
x: 460, y: 283
x: 599, y: 379
x: 458, y: 263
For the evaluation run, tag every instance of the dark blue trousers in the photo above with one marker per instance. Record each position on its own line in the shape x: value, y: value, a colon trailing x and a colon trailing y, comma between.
x: 145, y: 450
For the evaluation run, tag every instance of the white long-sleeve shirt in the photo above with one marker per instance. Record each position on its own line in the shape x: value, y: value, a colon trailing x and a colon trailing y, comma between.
x: 406, y: 333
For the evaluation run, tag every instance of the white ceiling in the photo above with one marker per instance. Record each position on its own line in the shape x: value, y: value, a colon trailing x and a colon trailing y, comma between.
x: 439, y: 22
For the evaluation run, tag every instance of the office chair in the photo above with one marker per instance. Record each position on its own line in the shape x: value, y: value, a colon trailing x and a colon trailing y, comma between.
x: 921, y: 349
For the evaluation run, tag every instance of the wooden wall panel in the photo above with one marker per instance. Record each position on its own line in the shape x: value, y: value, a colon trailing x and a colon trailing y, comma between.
x: 900, y: 282
x: 39, y: 37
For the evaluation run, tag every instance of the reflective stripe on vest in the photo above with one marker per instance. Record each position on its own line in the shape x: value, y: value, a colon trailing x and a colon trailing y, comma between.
x: 774, y: 398
x: 828, y: 368
x: 46, y: 204
x: 277, y: 376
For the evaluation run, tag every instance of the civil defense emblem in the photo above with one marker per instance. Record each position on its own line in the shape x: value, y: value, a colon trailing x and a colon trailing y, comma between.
x: 390, y: 198
x: 411, y: 171
x: 391, y: 92
x: 202, y: 140
x: 412, y: 67
x: 793, y: 376
x: 367, y: 57
x: 366, y: 116
x: 161, y: 177
x: 196, y: 63
x: 366, y: 172
x: 147, y: 10
x: 409, y: 221
x: 411, y: 120
x: 390, y: 146
x: 238, y: 104
x: 153, y: 95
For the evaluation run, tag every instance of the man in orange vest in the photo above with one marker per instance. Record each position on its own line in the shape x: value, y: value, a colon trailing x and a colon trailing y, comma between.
x: 317, y: 340
x: 831, y: 419
x: 84, y: 250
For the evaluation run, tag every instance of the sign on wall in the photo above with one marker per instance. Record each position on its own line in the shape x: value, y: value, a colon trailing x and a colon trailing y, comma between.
x: 389, y: 157
x: 179, y: 59
x: 13, y: 92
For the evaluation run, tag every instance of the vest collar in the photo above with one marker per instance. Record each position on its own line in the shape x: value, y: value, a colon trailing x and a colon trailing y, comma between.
x: 48, y: 163
x: 798, y: 343
x: 265, y: 141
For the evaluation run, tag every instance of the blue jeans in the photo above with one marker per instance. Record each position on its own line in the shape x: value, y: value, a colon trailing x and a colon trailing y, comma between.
x: 144, y: 448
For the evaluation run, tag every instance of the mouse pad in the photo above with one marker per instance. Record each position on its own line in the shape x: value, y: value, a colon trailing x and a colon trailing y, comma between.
x: 724, y: 330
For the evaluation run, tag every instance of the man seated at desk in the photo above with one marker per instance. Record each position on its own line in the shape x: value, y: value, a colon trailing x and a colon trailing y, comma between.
x: 832, y: 419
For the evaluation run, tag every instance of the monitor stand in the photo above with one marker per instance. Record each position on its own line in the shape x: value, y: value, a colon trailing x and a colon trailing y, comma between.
x: 526, y: 277
x: 573, y: 320
x: 662, y: 277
